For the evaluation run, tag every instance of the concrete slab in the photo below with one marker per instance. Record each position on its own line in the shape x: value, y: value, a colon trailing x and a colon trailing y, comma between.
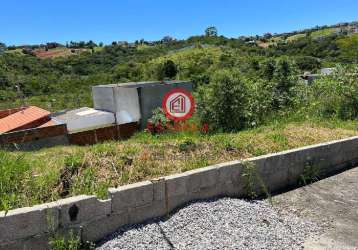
x: 332, y: 203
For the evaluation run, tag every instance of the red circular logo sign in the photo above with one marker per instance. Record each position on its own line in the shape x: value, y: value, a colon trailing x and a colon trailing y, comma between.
x: 178, y: 104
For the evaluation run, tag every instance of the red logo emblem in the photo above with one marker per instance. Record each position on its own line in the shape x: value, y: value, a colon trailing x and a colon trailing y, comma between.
x: 178, y: 104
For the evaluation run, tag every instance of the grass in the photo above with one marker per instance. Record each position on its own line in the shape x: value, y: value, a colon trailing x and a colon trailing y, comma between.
x: 98, y: 48
x: 28, y: 178
x: 322, y: 32
x: 19, y: 51
x: 295, y: 37
x: 53, y: 102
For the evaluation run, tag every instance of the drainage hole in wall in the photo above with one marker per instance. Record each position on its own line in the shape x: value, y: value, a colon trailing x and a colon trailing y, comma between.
x: 73, y: 212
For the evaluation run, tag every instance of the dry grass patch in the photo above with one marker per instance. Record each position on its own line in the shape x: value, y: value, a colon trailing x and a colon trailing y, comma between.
x: 70, y: 170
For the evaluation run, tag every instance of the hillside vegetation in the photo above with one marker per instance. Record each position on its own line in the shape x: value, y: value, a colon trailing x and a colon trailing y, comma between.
x: 56, y: 81
x: 250, y: 101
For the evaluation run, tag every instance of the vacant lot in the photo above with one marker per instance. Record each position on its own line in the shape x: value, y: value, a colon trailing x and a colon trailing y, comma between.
x: 28, y: 178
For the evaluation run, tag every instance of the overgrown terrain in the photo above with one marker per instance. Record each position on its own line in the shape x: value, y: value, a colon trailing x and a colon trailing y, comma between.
x: 64, y: 82
x: 250, y: 101
x: 29, y: 178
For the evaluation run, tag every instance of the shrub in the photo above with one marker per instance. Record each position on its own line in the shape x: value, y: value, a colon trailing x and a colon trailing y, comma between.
x: 336, y: 95
x: 158, y: 123
x: 70, y: 242
x: 166, y: 70
x: 283, y: 83
x: 223, y: 103
x: 308, y: 63
x: 260, y: 98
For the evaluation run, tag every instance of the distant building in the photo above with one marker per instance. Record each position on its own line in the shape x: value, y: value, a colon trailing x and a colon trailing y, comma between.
x: 308, y: 77
x: 354, y: 29
x: 122, y: 43
x: 327, y: 71
x: 2, y: 48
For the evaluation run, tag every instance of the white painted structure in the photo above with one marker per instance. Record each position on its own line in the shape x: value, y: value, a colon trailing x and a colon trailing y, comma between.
x: 327, y: 71
x: 84, y: 119
x: 122, y: 100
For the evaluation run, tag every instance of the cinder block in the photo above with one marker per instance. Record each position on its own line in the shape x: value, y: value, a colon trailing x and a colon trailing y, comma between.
x: 130, y: 196
x: 176, y: 191
x: 202, y: 178
x: 178, y: 201
x: 82, y: 208
x: 141, y: 214
x: 343, y: 151
x: 298, y: 161
x: 271, y: 172
x: 98, y: 229
x: 176, y: 185
x: 230, y: 179
x: 158, y: 189
x: 38, y: 242
x: 205, y: 193
x: 28, y: 221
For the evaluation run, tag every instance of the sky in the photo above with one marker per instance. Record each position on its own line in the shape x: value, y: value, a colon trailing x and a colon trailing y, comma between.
x: 39, y: 21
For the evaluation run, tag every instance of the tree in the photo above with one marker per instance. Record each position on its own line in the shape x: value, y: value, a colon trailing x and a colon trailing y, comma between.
x: 90, y: 44
x: 170, y: 69
x: 268, y: 69
x: 167, y: 39
x: 308, y: 63
x: 267, y: 35
x: 284, y: 80
x: 2, y: 47
x: 349, y: 48
x: 166, y: 70
x: 211, y: 31
x: 4, y: 82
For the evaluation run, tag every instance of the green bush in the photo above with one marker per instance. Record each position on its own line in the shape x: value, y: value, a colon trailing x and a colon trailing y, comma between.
x: 283, y: 83
x: 336, y: 95
x: 59, y: 242
x: 223, y: 104
x: 260, y: 96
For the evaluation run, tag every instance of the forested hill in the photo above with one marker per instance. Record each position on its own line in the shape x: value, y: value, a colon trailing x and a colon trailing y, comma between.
x: 57, y: 76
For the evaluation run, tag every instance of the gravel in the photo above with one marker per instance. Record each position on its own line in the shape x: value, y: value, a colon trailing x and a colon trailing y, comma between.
x: 218, y: 224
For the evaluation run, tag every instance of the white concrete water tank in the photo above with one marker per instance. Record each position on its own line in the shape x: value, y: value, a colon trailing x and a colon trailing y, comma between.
x: 134, y: 101
x: 122, y: 101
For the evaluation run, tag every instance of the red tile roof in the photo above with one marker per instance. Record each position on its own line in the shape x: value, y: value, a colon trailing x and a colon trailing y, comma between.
x: 28, y: 118
x: 7, y: 112
x: 47, y: 124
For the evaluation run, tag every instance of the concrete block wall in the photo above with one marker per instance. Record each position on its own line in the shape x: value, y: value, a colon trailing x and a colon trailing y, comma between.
x: 93, y: 219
